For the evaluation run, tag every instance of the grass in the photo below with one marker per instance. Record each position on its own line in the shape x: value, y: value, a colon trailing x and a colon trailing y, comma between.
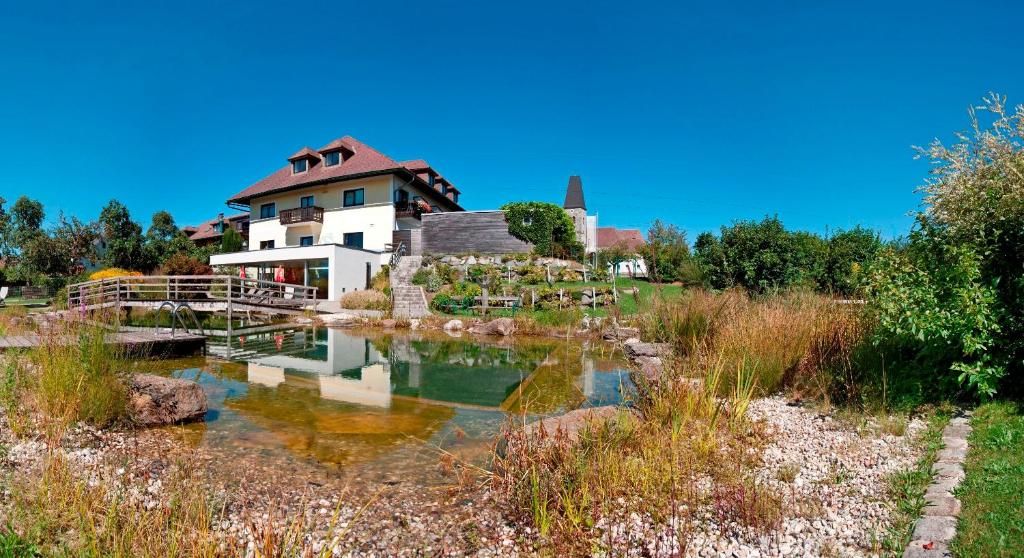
x: 906, y: 489
x: 686, y: 452
x: 992, y: 494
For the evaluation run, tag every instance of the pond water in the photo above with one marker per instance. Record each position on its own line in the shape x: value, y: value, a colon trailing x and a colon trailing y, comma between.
x: 386, y: 401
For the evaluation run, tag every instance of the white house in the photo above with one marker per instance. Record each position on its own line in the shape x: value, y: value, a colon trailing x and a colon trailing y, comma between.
x: 330, y: 217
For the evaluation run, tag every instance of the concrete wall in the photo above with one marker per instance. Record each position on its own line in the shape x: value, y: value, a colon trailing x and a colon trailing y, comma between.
x: 469, y: 232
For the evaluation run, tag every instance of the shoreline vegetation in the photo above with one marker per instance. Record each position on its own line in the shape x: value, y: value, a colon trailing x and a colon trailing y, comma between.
x: 771, y: 416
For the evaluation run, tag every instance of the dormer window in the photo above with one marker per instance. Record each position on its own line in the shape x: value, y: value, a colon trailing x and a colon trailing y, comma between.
x: 333, y: 158
x: 430, y: 180
x: 299, y: 165
x: 444, y: 188
x: 455, y: 197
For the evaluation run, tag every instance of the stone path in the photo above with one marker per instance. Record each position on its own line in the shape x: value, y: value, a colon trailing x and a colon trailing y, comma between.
x: 937, y: 525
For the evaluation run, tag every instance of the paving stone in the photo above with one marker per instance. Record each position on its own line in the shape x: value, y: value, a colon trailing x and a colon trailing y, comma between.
x: 951, y: 455
x: 942, y: 506
x: 916, y: 550
x: 931, y: 528
x: 948, y: 471
x: 954, y: 442
x: 957, y: 431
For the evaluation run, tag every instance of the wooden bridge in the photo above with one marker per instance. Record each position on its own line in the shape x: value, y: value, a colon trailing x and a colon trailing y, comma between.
x: 203, y: 293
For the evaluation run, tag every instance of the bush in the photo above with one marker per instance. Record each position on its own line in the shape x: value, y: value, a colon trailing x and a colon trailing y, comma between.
x: 420, y: 277
x: 111, y: 273
x: 182, y: 264
x: 441, y: 302
x: 544, y: 225
x: 365, y: 300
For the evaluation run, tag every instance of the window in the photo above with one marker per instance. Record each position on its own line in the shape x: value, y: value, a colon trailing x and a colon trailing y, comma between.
x: 354, y: 240
x: 306, y: 201
x: 299, y: 166
x: 332, y: 158
x: 444, y: 187
x: 306, y: 241
x: 527, y: 220
x: 266, y: 244
x: 401, y: 196
x: 353, y: 197
x: 430, y: 180
x: 268, y: 210
x: 455, y: 197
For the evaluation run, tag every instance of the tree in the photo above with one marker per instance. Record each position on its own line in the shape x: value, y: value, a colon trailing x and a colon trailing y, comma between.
x: 667, y: 255
x: 710, y: 257
x: 6, y: 240
x: 126, y: 247
x: 849, y: 252
x: 26, y: 220
x: 545, y: 225
x: 159, y: 235
x: 231, y: 241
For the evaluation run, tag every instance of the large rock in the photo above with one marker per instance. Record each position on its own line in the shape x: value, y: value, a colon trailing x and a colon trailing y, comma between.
x: 636, y: 349
x: 156, y: 400
x: 622, y: 333
x: 453, y: 325
x: 499, y: 326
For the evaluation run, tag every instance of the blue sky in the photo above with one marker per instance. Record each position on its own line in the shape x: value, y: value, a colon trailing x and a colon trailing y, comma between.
x: 695, y: 113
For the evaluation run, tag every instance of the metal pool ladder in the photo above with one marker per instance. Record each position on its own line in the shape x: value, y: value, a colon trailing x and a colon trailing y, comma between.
x: 180, y: 312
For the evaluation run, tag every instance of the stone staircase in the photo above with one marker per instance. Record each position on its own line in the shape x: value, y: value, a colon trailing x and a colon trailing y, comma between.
x: 408, y: 300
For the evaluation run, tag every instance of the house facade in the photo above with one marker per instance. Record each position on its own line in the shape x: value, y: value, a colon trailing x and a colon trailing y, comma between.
x: 212, y: 231
x: 330, y: 217
x: 630, y: 240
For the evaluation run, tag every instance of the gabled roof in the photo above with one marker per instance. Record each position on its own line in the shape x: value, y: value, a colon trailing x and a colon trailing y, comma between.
x: 611, y: 236
x: 362, y: 161
x: 574, y: 194
x: 304, y: 153
x: 206, y: 229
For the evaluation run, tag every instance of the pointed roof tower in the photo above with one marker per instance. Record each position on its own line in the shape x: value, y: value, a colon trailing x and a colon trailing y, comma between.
x: 574, y: 194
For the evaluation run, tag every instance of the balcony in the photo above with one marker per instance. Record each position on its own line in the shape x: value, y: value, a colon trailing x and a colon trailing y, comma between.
x: 302, y: 215
x: 410, y: 209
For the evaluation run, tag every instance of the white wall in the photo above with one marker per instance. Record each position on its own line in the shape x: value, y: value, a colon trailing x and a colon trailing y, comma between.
x: 347, y: 265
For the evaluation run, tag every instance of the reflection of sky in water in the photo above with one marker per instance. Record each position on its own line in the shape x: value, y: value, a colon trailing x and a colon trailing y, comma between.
x: 341, y: 398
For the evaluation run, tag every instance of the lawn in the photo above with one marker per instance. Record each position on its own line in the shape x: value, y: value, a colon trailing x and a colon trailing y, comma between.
x: 992, y: 518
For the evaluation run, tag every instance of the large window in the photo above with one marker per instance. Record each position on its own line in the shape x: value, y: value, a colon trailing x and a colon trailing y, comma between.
x: 306, y: 201
x: 266, y: 244
x: 299, y: 166
x: 306, y: 241
x: 268, y: 210
x: 353, y: 197
x: 354, y: 240
x: 332, y: 158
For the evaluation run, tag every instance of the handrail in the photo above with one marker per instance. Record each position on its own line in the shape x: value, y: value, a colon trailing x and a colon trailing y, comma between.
x: 185, y: 288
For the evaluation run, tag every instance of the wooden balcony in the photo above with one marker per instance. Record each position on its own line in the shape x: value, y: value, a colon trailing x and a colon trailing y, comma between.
x: 311, y: 214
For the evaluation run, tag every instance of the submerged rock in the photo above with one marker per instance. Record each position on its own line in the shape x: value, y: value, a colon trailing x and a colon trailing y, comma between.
x: 499, y: 326
x: 567, y: 428
x: 155, y: 400
x: 622, y: 333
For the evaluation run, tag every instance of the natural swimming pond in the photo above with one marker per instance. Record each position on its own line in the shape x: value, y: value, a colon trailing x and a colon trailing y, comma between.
x: 387, y: 401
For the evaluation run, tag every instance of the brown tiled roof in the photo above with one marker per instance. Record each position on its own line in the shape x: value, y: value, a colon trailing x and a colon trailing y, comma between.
x: 207, y: 230
x: 364, y: 161
x: 304, y: 153
x: 337, y: 145
x: 610, y: 236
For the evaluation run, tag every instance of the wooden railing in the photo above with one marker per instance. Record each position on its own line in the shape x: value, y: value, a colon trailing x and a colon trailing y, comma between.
x: 189, y: 288
x: 302, y: 215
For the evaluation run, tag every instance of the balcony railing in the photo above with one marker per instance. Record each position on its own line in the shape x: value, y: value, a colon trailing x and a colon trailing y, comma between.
x: 411, y: 209
x: 311, y: 214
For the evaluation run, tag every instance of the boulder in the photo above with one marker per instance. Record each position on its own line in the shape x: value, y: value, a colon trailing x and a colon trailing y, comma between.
x: 155, y: 400
x: 636, y: 348
x: 388, y: 324
x: 498, y: 326
x: 453, y: 325
x: 621, y: 333
x: 651, y: 370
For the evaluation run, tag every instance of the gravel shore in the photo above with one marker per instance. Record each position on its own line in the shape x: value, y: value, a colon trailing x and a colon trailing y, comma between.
x: 830, y: 475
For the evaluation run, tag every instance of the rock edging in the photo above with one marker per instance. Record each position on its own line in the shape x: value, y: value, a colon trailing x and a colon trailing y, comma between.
x: 937, y: 526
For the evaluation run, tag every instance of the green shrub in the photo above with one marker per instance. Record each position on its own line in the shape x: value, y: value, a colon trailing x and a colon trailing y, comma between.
x: 420, y: 277
x: 545, y: 225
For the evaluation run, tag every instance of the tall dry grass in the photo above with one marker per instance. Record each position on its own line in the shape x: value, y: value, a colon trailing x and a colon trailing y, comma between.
x: 681, y: 451
x: 798, y: 339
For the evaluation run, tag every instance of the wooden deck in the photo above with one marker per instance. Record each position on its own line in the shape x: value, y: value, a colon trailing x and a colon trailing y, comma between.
x: 133, y: 342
